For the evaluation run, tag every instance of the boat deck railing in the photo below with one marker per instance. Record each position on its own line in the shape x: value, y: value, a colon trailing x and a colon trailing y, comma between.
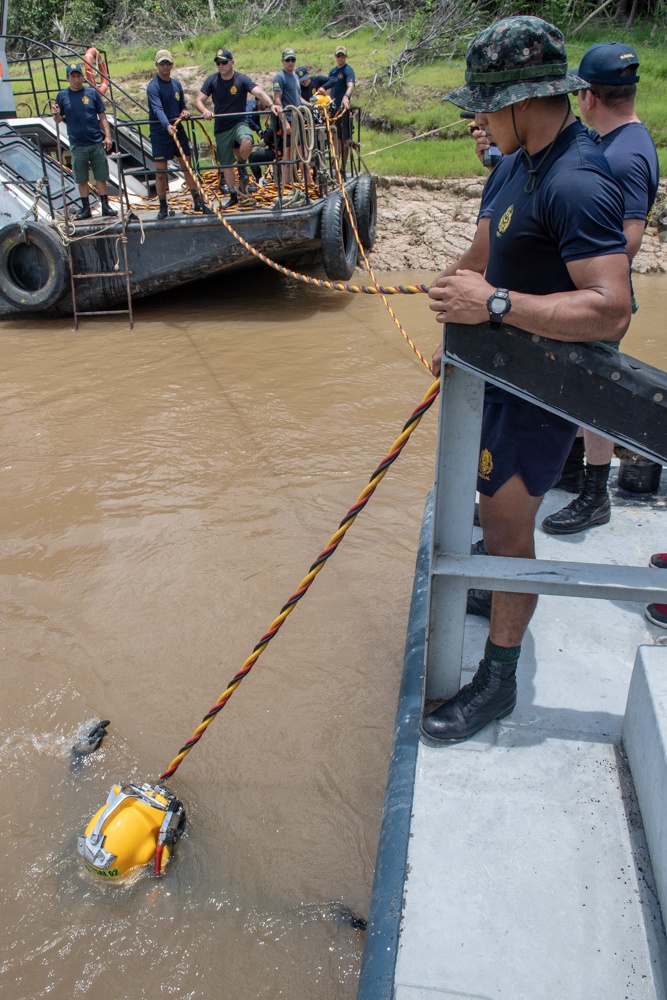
x: 590, y: 384
x: 37, y: 72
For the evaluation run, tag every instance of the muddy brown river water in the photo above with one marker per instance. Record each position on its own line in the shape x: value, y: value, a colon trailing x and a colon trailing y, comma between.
x: 163, y: 492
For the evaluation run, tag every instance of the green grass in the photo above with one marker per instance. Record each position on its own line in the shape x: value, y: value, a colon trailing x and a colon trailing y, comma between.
x: 412, y: 105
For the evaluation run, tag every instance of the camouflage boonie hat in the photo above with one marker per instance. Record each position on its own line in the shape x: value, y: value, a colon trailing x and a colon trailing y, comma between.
x: 516, y: 58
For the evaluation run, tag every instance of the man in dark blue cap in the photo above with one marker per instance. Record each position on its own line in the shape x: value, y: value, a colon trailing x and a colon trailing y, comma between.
x: 556, y: 267
x: 233, y: 136
x: 608, y: 107
x: 82, y: 110
x: 309, y: 83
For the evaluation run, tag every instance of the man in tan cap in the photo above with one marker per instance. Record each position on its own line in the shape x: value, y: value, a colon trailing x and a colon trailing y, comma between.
x: 341, y: 83
x: 286, y: 93
x: 166, y: 102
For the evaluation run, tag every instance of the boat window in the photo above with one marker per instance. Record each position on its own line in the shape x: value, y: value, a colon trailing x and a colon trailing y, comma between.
x: 23, y: 162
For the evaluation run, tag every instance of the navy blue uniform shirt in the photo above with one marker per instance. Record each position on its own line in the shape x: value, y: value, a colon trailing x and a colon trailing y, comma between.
x: 631, y: 154
x: 80, y: 110
x: 166, y: 100
x: 339, y: 77
x: 309, y: 89
x: 228, y: 96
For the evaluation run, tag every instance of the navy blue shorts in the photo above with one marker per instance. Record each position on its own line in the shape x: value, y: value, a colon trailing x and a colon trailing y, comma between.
x: 164, y: 147
x: 519, y: 438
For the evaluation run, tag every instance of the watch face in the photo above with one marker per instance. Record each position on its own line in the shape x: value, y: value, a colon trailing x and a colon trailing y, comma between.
x: 497, y: 306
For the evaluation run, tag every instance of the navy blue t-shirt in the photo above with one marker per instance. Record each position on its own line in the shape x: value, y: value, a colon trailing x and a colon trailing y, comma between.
x: 80, y: 109
x: 309, y: 89
x: 574, y: 212
x: 493, y: 184
x: 166, y: 101
x: 631, y: 154
x: 287, y: 85
x: 339, y: 77
x: 228, y: 96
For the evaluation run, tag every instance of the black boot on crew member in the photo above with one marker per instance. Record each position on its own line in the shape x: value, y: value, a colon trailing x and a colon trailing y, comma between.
x: 106, y: 207
x: 490, y: 695
x: 572, y: 477
x: 163, y: 212
x: 198, y: 204
x: 84, y: 212
x: 591, y: 507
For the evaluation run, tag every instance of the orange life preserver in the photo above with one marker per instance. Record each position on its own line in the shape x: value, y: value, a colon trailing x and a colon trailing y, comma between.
x: 96, y: 69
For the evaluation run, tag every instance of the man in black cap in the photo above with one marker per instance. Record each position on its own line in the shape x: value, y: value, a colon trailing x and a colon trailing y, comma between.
x: 608, y: 107
x: 166, y: 103
x: 233, y: 136
x: 556, y: 267
x: 82, y: 110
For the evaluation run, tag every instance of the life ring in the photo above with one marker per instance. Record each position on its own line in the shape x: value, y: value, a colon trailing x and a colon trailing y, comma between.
x: 366, y: 210
x: 33, y: 266
x: 339, y: 244
x: 96, y: 69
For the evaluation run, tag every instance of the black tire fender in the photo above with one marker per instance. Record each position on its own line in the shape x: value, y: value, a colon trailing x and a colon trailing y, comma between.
x: 339, y: 244
x: 366, y: 210
x: 33, y: 265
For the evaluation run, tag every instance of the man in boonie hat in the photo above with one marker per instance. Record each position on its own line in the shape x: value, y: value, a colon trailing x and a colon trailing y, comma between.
x: 555, y: 266
x: 608, y: 107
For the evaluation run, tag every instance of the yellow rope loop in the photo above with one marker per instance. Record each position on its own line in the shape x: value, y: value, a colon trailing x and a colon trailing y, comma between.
x: 363, y: 252
x: 337, y: 286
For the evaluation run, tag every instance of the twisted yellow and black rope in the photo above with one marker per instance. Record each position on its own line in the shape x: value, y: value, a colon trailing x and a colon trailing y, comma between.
x: 317, y: 566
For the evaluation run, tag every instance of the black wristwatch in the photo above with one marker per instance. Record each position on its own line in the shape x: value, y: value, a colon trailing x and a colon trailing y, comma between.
x: 498, y: 304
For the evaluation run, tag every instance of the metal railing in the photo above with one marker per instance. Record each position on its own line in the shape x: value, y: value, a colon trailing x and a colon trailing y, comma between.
x: 590, y: 384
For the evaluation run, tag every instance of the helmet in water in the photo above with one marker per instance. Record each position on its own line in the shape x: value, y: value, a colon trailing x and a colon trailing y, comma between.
x: 137, y: 825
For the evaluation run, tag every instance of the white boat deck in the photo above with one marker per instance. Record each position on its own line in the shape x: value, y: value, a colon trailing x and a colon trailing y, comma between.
x: 527, y: 873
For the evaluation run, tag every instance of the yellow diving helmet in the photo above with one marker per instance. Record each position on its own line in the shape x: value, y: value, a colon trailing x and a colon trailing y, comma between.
x: 138, y: 824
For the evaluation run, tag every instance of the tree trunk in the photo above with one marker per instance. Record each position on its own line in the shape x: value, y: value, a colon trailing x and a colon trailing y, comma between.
x: 212, y: 10
x: 633, y: 14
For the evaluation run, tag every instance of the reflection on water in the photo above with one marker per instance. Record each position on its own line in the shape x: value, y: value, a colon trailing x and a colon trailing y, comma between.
x: 163, y: 492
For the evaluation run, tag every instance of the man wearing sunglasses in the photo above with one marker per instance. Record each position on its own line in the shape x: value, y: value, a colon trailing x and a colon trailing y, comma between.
x: 286, y: 92
x: 166, y: 103
x: 233, y: 136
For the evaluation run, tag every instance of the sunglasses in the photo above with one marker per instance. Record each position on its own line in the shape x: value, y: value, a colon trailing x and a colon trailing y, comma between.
x: 165, y: 62
x: 290, y: 59
x: 222, y: 62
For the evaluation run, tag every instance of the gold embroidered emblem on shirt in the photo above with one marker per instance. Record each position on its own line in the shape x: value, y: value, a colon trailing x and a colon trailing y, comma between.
x: 233, y: 90
x: 485, y: 464
x: 85, y: 100
x: 504, y: 223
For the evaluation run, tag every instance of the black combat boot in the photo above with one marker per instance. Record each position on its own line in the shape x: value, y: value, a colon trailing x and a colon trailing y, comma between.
x: 163, y: 211
x: 84, y: 212
x: 490, y: 695
x: 572, y: 477
x: 198, y: 203
x: 106, y: 207
x: 233, y: 200
x: 591, y: 507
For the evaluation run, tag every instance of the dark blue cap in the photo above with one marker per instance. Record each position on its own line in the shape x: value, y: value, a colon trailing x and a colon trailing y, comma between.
x: 302, y: 72
x: 604, y: 63
x: 73, y: 68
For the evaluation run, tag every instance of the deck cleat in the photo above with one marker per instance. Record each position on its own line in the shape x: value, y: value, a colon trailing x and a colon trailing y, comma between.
x: 138, y: 824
